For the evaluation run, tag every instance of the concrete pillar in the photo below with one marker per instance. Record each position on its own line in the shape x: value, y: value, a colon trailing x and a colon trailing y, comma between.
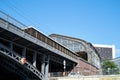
x: 47, y: 66
x: 34, y: 59
x: 43, y: 64
x: 24, y: 52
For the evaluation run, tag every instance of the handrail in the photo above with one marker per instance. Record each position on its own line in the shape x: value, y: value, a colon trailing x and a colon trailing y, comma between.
x: 12, y: 20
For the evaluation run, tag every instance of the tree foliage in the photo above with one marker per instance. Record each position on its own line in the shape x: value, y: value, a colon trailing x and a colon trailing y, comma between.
x: 109, y: 64
x: 109, y: 67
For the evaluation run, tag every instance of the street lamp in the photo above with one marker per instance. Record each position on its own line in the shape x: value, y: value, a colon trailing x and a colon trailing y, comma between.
x: 64, y: 67
x: 64, y: 63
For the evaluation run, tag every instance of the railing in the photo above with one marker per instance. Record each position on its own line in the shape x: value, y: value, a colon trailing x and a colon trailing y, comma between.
x: 11, y: 20
x: 109, y: 71
x: 11, y: 54
x: 58, y: 74
x: 83, y: 73
x: 77, y: 71
x: 99, y: 77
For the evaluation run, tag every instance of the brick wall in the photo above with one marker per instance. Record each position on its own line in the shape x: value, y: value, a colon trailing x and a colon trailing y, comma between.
x: 85, y: 68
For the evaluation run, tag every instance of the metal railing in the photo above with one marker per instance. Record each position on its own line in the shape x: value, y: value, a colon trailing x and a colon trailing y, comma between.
x: 99, y: 77
x: 85, y: 73
x: 11, y: 20
x: 71, y: 74
x: 109, y: 71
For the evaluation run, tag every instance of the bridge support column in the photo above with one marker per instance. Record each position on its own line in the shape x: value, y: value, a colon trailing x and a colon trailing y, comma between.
x: 34, y: 59
x: 43, y: 64
x: 47, y: 66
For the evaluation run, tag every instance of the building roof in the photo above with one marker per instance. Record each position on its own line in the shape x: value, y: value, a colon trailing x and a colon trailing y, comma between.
x: 77, y: 39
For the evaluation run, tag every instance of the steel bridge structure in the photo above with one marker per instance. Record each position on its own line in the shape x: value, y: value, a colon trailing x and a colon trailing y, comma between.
x: 43, y: 55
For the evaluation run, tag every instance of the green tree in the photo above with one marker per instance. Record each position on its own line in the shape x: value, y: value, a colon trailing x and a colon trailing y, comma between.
x: 109, y: 67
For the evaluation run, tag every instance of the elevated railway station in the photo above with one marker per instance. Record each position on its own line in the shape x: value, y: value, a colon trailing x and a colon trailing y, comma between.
x: 43, y: 55
x: 27, y: 54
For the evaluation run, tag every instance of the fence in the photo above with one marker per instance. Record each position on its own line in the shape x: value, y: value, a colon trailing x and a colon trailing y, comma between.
x: 100, y: 77
x: 11, y: 20
x: 85, y: 73
x: 111, y: 71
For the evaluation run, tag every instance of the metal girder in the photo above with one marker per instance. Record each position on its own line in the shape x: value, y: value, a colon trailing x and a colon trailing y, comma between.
x: 11, y: 54
x: 10, y: 66
x: 19, y: 32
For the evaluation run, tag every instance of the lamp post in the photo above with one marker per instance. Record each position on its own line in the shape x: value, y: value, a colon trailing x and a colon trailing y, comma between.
x: 64, y: 67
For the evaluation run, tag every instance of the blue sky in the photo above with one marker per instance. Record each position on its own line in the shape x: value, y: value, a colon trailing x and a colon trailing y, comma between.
x: 96, y: 21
